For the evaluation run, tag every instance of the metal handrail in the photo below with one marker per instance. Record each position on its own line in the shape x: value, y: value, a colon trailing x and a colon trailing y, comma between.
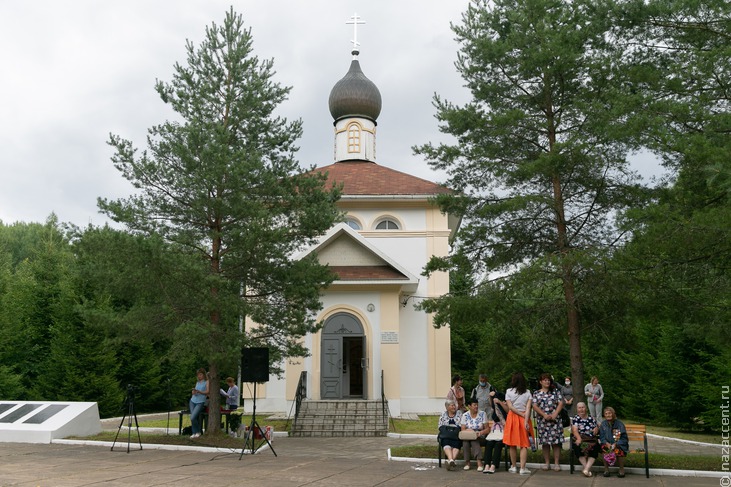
x: 383, y: 398
x: 385, y: 411
x: 299, y: 396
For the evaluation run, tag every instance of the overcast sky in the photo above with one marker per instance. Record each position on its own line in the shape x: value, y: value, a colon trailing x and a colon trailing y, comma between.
x: 75, y: 71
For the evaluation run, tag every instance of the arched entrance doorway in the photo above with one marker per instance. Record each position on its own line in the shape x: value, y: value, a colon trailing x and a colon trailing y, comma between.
x: 343, y: 358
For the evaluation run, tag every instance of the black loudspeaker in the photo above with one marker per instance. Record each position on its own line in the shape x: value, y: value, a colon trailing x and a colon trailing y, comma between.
x: 255, y: 364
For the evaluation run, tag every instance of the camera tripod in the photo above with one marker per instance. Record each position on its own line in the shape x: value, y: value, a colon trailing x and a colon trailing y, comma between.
x: 251, y: 433
x: 129, y: 402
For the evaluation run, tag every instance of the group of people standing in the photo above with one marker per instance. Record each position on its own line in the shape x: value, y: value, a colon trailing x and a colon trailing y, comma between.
x: 506, y: 420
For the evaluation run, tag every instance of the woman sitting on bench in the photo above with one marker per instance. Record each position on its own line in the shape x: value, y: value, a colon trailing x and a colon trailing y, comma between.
x: 451, y: 446
x: 614, y: 441
x: 585, y: 431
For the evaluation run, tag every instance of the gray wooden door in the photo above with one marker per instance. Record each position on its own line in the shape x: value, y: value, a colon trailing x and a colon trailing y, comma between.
x: 334, y: 370
x: 332, y: 364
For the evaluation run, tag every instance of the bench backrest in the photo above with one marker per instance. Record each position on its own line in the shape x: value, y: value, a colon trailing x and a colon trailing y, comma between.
x: 636, y: 432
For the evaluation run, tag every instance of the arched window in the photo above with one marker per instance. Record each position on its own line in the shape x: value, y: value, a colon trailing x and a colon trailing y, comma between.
x: 354, y: 138
x: 387, y: 224
x: 353, y: 224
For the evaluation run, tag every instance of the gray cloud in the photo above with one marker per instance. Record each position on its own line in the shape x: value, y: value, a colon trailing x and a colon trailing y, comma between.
x: 76, y: 71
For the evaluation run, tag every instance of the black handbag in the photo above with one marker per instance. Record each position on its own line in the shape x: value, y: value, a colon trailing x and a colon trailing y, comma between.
x: 565, y: 419
x: 449, y: 432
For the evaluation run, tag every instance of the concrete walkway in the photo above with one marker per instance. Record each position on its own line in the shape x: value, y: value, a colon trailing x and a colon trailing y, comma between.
x: 299, y: 462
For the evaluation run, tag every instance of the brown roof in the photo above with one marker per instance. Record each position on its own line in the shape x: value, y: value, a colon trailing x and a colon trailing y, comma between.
x: 365, y: 273
x: 368, y: 178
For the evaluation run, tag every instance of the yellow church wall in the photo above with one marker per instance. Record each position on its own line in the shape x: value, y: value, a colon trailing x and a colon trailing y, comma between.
x: 390, y: 352
x: 292, y: 371
x: 426, y: 233
x: 247, y: 390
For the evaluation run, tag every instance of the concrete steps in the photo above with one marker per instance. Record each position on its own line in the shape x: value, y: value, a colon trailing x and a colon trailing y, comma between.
x: 354, y: 418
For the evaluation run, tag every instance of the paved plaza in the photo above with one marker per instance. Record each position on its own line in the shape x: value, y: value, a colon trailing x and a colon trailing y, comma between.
x: 299, y: 462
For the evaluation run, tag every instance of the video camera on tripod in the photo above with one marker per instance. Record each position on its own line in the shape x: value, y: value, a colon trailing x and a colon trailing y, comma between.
x: 129, y: 414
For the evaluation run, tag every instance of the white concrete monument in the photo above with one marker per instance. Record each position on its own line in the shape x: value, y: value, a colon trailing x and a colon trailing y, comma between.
x: 42, y: 422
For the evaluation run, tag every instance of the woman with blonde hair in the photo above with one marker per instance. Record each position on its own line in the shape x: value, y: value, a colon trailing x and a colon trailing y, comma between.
x: 197, y: 402
x: 594, y: 397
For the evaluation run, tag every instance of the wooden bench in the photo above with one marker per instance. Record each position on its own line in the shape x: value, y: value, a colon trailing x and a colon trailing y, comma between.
x: 505, y: 450
x: 635, y: 433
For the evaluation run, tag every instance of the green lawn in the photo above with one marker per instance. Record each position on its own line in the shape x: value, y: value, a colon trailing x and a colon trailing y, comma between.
x: 220, y: 440
x: 425, y: 425
x: 685, y: 435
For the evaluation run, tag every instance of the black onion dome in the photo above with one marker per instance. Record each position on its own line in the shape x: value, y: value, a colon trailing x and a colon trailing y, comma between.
x: 355, y: 96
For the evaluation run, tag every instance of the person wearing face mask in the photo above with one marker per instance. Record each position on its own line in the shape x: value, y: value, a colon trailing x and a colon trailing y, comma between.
x: 482, y: 393
x: 568, y: 397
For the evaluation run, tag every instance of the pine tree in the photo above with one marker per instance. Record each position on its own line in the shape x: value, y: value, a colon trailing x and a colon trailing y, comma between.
x: 540, y: 162
x: 221, y: 187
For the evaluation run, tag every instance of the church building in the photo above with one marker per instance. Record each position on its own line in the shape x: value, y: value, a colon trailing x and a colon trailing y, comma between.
x: 374, y: 343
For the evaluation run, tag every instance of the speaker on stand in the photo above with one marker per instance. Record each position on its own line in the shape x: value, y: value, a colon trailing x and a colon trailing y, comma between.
x: 255, y: 368
x: 255, y: 365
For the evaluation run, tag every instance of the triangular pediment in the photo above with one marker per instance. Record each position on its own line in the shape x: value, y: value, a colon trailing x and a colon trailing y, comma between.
x: 356, y: 261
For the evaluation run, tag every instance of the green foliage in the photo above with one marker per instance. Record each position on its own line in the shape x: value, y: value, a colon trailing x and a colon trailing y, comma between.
x: 539, y: 166
x: 61, y: 339
x: 11, y: 384
x: 39, y: 294
x: 81, y: 366
x: 222, y: 193
x: 679, y: 255
x: 555, y: 229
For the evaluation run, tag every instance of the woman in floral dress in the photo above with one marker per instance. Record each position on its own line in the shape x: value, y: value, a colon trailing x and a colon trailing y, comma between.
x: 585, y: 433
x: 474, y: 420
x: 547, y: 404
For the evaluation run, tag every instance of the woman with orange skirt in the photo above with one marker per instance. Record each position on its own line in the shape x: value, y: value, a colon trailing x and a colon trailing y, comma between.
x: 517, y: 424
